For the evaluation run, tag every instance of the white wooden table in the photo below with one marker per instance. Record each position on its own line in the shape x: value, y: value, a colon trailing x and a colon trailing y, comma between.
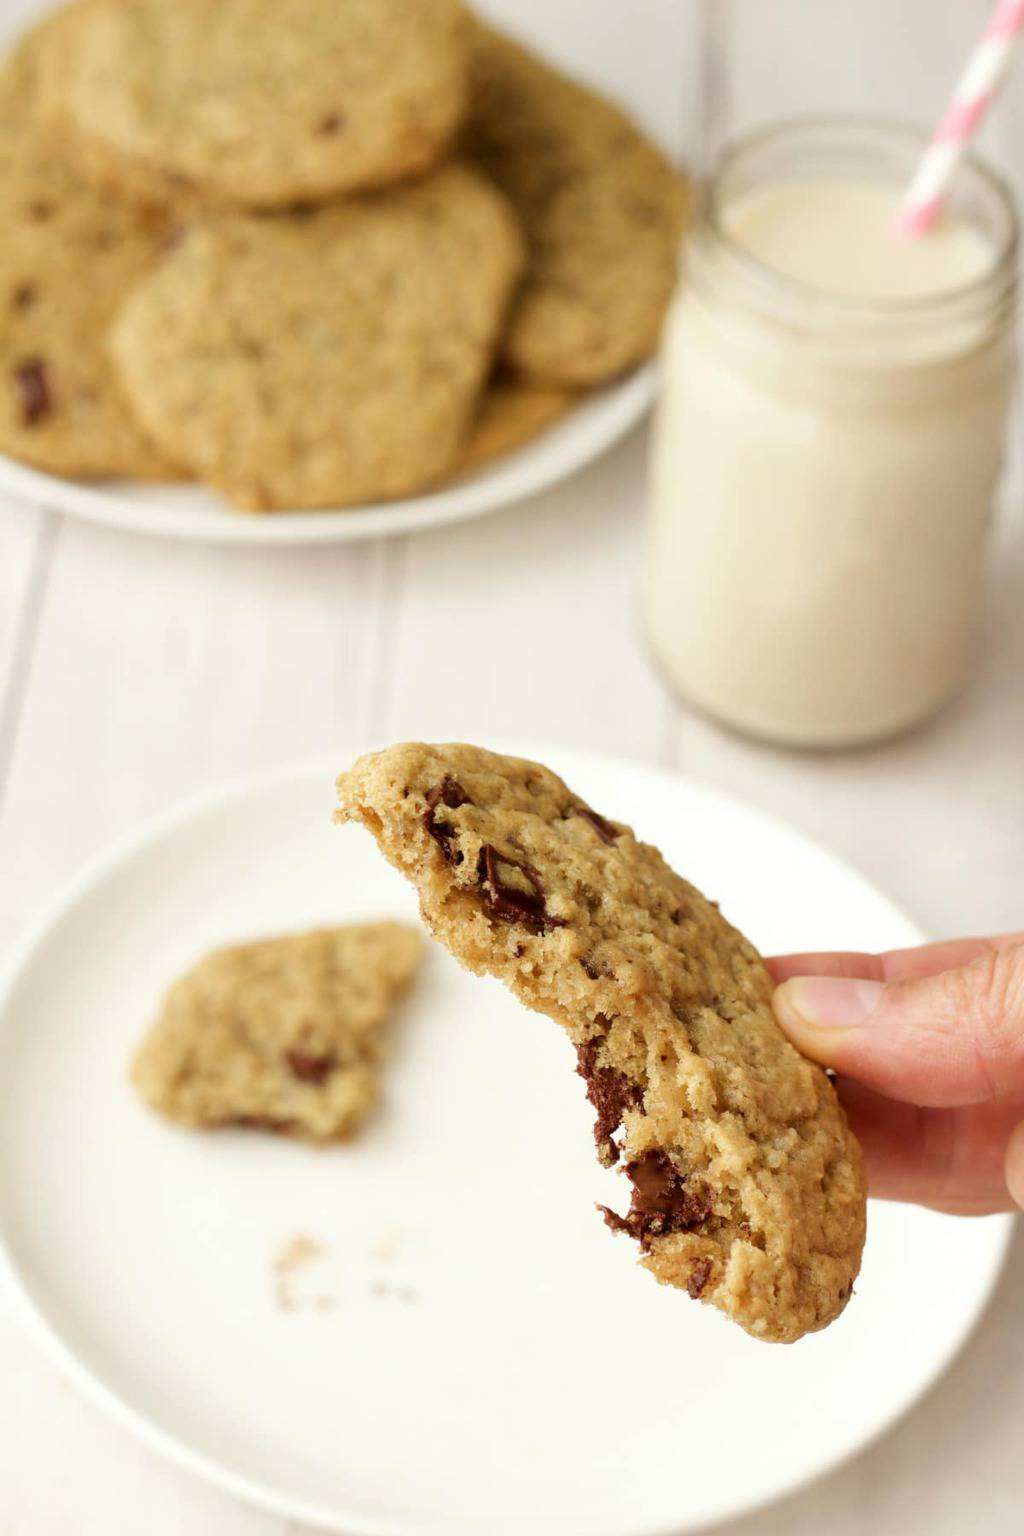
x: 134, y: 671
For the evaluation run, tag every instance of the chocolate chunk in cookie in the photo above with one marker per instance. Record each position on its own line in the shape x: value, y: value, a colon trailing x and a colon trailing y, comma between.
x: 610, y: 1092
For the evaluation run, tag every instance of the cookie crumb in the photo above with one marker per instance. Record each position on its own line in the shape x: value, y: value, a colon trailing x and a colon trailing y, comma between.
x: 386, y: 1247
x: 295, y: 1254
x: 382, y: 1290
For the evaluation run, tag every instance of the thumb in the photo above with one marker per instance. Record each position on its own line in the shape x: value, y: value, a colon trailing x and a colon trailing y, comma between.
x: 949, y: 1039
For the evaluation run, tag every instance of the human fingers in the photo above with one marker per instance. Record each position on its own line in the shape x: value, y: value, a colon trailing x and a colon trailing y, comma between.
x: 950, y: 1159
x: 893, y: 964
x: 954, y: 1038
x: 1015, y: 1165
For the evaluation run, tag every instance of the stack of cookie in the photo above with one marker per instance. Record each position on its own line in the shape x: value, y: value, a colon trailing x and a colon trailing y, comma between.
x: 311, y: 252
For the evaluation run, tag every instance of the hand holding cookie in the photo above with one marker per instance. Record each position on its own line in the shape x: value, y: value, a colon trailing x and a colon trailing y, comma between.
x: 929, y: 1046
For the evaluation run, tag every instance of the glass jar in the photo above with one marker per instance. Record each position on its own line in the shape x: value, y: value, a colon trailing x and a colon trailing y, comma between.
x: 823, y: 462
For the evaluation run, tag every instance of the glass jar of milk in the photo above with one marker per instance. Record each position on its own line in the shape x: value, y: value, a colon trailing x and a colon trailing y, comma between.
x: 829, y: 437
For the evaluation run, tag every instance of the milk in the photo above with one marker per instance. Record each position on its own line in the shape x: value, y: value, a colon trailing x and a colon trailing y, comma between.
x: 827, y: 444
x: 840, y: 236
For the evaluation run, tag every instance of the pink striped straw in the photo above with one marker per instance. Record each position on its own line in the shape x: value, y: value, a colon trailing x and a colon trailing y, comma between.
x: 975, y: 92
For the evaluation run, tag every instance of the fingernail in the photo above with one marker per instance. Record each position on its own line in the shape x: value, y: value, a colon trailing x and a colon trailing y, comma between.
x: 826, y: 1002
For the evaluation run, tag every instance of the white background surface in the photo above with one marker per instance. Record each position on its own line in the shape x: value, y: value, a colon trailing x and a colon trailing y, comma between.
x: 133, y: 671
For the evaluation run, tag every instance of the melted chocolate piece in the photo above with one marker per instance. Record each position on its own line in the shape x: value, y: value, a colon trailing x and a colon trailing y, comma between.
x: 450, y: 793
x: 32, y: 379
x: 661, y: 1201
x: 604, y: 829
x: 513, y: 903
x: 611, y: 1094
x: 331, y: 124
x: 39, y: 209
x: 24, y: 296
x: 308, y: 1068
x: 700, y: 1274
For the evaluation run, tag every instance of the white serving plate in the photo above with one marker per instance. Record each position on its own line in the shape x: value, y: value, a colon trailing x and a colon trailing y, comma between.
x: 192, y: 512
x: 473, y: 1353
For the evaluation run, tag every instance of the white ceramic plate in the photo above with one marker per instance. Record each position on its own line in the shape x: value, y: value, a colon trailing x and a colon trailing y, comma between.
x: 643, y: 56
x: 191, y: 512
x: 472, y: 1353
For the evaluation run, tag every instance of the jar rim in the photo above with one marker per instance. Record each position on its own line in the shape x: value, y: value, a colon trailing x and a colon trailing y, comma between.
x: 1000, y: 274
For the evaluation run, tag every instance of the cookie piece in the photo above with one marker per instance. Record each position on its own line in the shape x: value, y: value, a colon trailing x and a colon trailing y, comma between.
x: 262, y: 103
x: 324, y: 359
x: 602, y: 209
x: 283, y: 1034
x: 66, y: 258
x: 747, y: 1189
x: 511, y: 413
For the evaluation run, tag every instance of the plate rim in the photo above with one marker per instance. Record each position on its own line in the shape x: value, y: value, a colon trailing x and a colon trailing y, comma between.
x: 47, y: 1334
x: 518, y: 476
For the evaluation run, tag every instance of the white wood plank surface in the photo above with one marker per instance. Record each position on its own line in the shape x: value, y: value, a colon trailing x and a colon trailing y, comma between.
x: 160, y: 667
x: 132, y: 672
x: 26, y: 547
x: 494, y: 642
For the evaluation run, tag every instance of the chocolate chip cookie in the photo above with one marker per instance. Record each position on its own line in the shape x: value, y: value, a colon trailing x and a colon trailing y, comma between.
x: 746, y: 1187
x: 261, y: 103
x: 284, y: 1034
x: 324, y: 358
x: 510, y: 414
x: 602, y: 209
x: 66, y: 257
